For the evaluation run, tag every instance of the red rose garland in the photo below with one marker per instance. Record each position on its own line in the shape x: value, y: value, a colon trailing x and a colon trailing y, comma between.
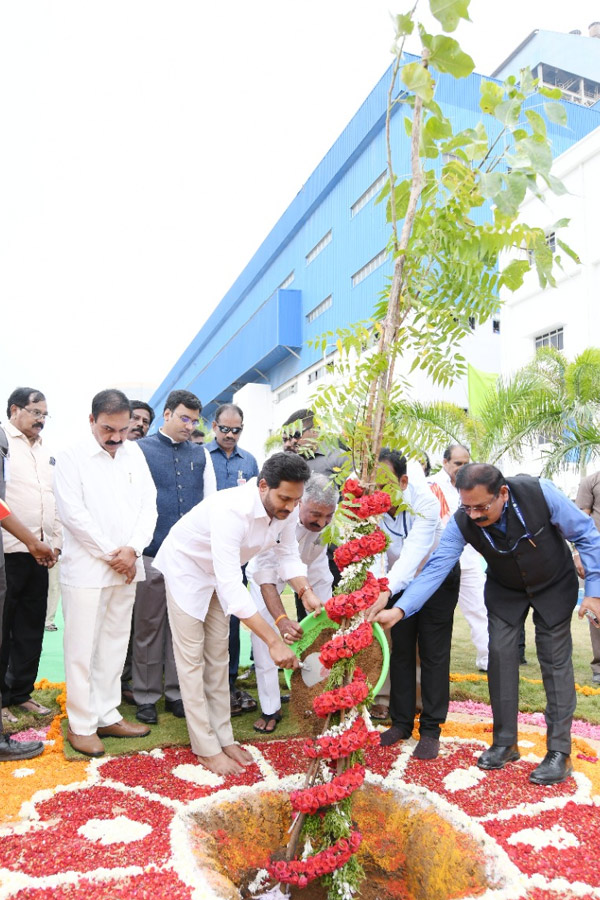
x: 347, y: 645
x: 355, y: 738
x: 347, y: 605
x: 309, y: 800
x: 344, y: 697
x: 360, y: 548
x: 342, y: 608
x: 301, y: 871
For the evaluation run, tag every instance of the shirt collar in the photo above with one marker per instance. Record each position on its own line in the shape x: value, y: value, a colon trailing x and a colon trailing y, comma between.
x: 15, y: 433
x: 167, y: 439
x: 213, y: 447
x: 94, y: 448
x: 258, y: 508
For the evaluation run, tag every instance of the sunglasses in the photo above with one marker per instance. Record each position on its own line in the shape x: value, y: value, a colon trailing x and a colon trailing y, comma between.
x: 225, y: 429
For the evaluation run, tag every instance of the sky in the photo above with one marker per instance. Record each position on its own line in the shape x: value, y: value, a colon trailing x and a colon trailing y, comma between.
x: 148, y: 148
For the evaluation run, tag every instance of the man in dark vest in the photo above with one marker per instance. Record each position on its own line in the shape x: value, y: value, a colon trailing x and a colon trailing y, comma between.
x: 520, y: 526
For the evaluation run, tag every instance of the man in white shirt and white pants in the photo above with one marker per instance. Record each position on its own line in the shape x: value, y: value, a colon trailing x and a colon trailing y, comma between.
x: 107, y: 503
x: 201, y: 561
x: 314, y: 514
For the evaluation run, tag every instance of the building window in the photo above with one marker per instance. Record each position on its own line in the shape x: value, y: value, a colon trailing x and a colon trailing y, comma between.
x: 550, y: 339
x: 495, y: 326
x: 288, y: 391
x: 370, y: 267
x: 320, y: 372
x: 318, y: 310
x: 286, y: 282
x: 318, y: 247
x: 370, y: 192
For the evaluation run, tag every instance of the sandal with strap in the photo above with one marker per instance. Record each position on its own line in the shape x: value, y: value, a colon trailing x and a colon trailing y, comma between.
x: 268, y: 719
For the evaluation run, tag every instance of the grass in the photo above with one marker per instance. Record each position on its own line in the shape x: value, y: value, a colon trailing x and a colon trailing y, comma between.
x: 173, y: 732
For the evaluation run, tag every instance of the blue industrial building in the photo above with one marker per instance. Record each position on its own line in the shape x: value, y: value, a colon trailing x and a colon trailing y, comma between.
x: 324, y: 263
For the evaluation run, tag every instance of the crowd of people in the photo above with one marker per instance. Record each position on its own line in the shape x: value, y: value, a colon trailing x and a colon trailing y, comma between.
x: 164, y: 544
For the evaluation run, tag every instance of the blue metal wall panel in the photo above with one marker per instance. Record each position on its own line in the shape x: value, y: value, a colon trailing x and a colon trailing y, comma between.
x: 242, y: 320
x: 576, y: 53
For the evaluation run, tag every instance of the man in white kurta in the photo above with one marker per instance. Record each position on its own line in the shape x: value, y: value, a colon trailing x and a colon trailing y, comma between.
x: 201, y: 561
x: 266, y: 585
x: 472, y: 574
x: 107, y: 503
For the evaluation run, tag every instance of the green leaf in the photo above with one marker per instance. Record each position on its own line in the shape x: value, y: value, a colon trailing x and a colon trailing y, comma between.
x: 449, y: 12
x: 538, y: 151
x: 568, y: 251
x: 508, y: 112
x: 556, y: 113
x: 438, y: 128
x: 551, y: 93
x: 555, y: 184
x: 536, y: 121
x: 527, y: 81
x: 446, y: 56
x: 490, y: 184
x: 404, y: 25
x: 512, y: 275
x: 516, y: 186
x: 418, y: 79
x: 491, y: 95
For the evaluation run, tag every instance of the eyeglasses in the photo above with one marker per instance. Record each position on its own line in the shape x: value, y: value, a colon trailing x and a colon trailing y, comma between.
x: 225, y: 429
x: 36, y: 413
x: 477, y: 509
x: 187, y: 420
x: 292, y: 437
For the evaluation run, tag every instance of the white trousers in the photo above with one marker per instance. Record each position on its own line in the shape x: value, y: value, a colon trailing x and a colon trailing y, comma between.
x: 97, y: 625
x: 267, y: 674
x: 202, y: 658
x: 53, y: 594
x: 472, y: 606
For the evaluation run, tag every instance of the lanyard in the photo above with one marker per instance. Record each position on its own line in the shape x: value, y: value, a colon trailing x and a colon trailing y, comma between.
x: 404, y: 526
x: 528, y: 536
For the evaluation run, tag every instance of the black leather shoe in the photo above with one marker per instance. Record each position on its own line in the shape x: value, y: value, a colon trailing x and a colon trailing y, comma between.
x: 496, y: 756
x: 146, y: 713
x: 175, y: 707
x: 554, y: 768
x: 10, y: 749
x: 235, y: 707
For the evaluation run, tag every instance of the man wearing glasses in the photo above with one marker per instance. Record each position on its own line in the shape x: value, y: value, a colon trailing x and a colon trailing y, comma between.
x: 520, y: 525
x: 183, y: 475
x: 30, y: 494
x: 233, y: 467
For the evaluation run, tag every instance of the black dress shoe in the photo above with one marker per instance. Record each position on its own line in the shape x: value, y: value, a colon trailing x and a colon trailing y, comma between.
x: 175, y: 707
x: 146, y: 713
x: 12, y: 750
x: 285, y: 698
x: 235, y: 707
x: 496, y: 756
x: 554, y: 768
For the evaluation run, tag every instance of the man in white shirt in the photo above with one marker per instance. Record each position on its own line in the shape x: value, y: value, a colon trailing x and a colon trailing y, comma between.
x: 201, y: 561
x: 472, y: 574
x: 30, y: 494
x: 314, y: 514
x: 414, y: 534
x: 107, y: 503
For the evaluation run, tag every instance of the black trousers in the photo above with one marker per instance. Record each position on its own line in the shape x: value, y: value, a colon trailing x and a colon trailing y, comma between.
x: 554, y: 651
x: 22, y: 626
x: 431, y: 630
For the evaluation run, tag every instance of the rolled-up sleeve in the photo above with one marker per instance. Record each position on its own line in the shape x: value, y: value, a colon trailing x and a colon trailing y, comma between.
x: 227, y: 534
